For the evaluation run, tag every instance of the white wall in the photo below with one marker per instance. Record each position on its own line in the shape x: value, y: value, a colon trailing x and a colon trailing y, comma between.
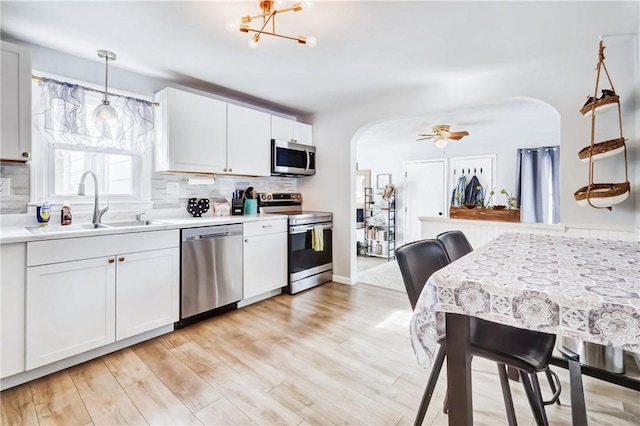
x: 563, y: 84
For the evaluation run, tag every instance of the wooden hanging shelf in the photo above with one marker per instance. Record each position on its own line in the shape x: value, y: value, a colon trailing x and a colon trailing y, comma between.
x: 602, y: 150
x: 602, y: 195
x: 601, y: 105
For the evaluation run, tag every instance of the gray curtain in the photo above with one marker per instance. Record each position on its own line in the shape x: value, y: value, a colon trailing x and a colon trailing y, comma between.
x: 538, y: 184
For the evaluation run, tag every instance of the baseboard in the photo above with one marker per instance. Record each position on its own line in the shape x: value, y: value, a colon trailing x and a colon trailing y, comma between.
x: 342, y: 280
x: 263, y: 296
x: 20, y: 378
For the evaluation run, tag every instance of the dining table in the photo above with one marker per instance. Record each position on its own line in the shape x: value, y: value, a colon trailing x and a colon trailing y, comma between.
x: 583, y: 288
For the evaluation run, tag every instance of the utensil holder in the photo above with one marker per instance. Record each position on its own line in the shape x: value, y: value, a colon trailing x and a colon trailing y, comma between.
x: 250, y: 206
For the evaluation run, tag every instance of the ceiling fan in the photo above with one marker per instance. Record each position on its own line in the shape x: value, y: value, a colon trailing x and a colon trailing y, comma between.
x: 442, y: 134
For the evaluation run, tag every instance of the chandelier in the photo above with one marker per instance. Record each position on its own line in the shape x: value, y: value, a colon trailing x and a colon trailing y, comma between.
x: 268, y: 16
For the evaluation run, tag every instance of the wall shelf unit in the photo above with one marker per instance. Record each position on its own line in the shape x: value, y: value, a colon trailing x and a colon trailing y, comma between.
x: 379, y: 237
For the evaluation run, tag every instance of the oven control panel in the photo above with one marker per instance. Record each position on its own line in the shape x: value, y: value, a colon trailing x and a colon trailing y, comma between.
x: 291, y: 198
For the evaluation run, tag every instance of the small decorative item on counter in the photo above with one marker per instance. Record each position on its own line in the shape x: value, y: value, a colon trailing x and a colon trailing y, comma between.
x: 43, y: 213
x: 221, y: 207
x: 65, y: 214
x: 197, y: 207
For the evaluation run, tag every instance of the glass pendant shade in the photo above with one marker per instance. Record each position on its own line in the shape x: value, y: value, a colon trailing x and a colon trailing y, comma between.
x: 105, y: 113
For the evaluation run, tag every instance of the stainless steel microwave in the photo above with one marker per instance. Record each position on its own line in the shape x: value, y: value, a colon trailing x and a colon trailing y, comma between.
x: 292, y: 159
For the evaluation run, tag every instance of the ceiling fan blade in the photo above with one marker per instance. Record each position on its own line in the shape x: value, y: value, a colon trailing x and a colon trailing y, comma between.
x: 424, y: 138
x: 456, y: 136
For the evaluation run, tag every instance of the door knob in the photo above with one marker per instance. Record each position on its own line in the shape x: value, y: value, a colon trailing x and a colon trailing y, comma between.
x: 439, y: 213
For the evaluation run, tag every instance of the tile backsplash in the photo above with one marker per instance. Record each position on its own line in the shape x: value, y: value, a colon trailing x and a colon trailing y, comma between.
x: 18, y: 198
x: 222, y: 187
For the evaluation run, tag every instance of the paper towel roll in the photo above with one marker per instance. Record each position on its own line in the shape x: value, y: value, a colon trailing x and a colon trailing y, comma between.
x: 201, y: 180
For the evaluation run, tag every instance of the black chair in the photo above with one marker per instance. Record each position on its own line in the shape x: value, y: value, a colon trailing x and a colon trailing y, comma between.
x: 457, y: 245
x: 526, y: 350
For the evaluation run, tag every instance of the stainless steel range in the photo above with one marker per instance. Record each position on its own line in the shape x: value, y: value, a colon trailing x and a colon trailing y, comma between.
x: 310, y: 256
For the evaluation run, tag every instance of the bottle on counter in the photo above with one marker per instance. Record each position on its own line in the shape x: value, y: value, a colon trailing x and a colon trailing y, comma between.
x: 43, y: 213
x: 65, y: 214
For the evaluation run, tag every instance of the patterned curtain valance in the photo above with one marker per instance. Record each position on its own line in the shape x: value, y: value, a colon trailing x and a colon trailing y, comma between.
x: 63, y: 113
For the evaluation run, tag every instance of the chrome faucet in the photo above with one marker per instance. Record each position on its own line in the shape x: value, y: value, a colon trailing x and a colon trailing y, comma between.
x: 139, y: 217
x: 97, y: 213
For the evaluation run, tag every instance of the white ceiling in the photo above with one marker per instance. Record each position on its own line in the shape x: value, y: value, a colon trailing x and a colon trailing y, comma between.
x: 365, y: 48
x: 515, y: 116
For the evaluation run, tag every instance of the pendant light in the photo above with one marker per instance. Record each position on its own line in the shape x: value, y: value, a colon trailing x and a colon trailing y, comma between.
x: 105, y: 113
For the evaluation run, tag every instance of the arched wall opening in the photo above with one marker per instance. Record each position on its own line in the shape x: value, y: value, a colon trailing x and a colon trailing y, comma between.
x: 496, y: 128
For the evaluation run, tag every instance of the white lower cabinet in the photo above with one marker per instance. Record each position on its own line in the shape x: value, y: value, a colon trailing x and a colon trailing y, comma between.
x: 70, y: 309
x: 147, y: 287
x: 12, y: 287
x: 73, y: 306
x: 265, y: 256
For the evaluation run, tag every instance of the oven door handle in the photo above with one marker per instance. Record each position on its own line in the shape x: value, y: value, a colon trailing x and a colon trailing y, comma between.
x: 303, y: 229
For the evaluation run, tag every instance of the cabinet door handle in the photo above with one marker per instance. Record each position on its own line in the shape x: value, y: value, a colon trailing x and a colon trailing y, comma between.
x: 225, y: 169
x: 246, y: 240
x: 267, y: 226
x: 25, y: 154
x: 121, y: 259
x: 112, y: 260
x: 230, y: 170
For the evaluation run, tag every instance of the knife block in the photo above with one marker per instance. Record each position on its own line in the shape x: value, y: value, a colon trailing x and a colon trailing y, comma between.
x: 237, y: 206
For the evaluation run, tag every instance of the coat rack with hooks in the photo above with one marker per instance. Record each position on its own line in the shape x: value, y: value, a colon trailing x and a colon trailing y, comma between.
x: 468, y: 171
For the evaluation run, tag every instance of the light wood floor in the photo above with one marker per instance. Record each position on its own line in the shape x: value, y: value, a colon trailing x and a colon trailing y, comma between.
x: 332, y: 355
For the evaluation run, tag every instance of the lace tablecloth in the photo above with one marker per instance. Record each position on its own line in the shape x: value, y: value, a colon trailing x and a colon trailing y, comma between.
x: 577, y: 287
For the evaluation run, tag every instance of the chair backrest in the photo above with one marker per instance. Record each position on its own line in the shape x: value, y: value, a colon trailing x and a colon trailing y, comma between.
x: 418, y: 261
x: 455, y: 244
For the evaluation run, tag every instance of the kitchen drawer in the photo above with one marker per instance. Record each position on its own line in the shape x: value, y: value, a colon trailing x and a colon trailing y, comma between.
x: 263, y: 227
x: 66, y: 250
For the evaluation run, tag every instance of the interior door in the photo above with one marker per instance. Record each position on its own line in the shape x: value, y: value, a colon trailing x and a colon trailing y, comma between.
x: 425, y: 187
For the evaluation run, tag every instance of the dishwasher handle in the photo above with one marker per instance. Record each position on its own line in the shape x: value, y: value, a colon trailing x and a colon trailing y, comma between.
x: 206, y: 233
x: 220, y: 234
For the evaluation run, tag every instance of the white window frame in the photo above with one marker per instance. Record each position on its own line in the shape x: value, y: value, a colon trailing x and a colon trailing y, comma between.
x: 49, y: 154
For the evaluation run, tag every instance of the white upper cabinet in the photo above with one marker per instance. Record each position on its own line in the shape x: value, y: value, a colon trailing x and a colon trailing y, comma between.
x: 285, y: 129
x: 15, y: 108
x: 198, y: 134
x: 248, y: 144
x: 191, y: 133
x: 302, y: 133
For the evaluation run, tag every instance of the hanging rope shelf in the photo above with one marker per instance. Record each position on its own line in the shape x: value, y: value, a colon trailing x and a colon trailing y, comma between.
x: 603, y: 195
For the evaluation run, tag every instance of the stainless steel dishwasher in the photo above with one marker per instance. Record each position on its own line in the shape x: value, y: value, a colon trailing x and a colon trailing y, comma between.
x: 211, y: 270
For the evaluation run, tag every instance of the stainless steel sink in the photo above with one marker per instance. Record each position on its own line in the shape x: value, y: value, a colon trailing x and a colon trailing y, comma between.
x: 132, y: 223
x: 66, y: 228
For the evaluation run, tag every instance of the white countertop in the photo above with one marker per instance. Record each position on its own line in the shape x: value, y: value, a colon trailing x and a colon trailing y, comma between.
x: 17, y: 232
